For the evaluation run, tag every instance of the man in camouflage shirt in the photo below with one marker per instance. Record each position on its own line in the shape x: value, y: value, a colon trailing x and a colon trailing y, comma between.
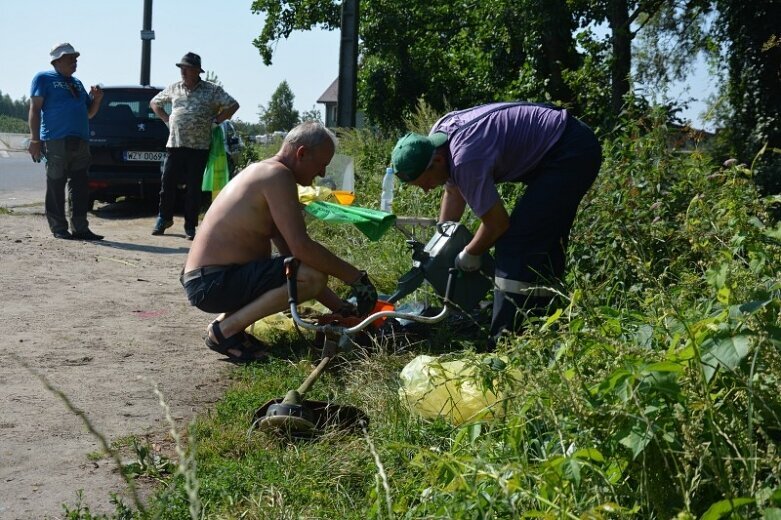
x: 195, y: 105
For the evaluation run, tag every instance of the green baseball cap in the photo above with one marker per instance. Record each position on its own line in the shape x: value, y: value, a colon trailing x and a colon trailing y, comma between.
x: 413, y: 153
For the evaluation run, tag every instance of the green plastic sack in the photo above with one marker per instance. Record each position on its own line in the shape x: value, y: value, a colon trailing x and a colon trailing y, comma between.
x: 215, y: 176
x: 370, y: 222
x: 449, y: 389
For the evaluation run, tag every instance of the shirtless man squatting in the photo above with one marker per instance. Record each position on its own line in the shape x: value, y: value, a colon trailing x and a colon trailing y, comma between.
x: 230, y: 268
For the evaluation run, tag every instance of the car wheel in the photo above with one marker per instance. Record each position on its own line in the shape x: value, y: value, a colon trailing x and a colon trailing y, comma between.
x: 150, y: 203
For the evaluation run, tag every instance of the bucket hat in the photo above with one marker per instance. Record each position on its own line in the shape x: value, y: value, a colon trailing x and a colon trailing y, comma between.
x: 62, y: 49
x: 190, y: 60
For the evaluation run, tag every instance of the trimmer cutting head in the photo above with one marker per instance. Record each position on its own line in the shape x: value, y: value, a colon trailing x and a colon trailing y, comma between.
x: 290, y: 419
x: 303, y: 419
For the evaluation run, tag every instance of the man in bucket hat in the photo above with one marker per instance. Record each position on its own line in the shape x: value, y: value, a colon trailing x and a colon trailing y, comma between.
x: 196, y: 104
x: 60, y: 109
x: 470, y: 151
x: 191, y: 60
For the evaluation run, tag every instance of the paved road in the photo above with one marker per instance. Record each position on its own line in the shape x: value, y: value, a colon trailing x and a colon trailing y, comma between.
x: 22, y: 182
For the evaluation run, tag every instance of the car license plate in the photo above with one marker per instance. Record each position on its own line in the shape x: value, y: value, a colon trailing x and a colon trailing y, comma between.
x: 144, y: 156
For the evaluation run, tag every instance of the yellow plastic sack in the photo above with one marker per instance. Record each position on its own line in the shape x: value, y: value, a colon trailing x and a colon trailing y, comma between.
x: 450, y: 389
x: 271, y: 326
x: 308, y: 194
x: 280, y: 323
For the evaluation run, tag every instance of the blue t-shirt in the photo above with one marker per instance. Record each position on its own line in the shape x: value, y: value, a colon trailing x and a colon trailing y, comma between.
x: 498, y: 142
x: 65, y: 104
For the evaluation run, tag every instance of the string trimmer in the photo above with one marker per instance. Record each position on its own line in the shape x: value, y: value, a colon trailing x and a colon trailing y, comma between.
x: 296, y: 417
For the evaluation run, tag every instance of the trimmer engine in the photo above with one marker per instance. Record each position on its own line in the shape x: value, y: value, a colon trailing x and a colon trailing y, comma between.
x: 433, y: 261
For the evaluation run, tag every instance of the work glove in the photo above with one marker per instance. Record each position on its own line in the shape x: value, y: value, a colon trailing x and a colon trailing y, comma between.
x: 347, y: 309
x: 365, y: 294
x: 467, y: 263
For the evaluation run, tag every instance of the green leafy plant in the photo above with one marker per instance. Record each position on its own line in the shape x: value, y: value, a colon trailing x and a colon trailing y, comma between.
x: 147, y: 463
x: 651, y: 390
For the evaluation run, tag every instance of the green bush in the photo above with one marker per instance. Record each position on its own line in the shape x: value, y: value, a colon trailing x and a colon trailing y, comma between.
x: 13, y: 125
x: 653, y: 391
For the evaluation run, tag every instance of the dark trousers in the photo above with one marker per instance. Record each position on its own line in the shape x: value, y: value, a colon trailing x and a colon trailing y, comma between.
x: 183, y: 165
x: 67, y: 161
x: 530, y: 256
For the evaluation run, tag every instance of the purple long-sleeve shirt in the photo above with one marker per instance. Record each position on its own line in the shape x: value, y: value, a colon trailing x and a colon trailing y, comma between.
x: 498, y: 142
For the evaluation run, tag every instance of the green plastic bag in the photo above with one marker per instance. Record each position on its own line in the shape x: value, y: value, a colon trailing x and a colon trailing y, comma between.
x: 370, y: 222
x: 215, y: 176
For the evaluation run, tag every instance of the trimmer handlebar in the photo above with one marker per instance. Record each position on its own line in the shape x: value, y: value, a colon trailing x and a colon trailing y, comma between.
x: 291, y: 268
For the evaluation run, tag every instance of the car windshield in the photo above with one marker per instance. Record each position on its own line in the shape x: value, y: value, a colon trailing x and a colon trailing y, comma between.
x: 120, y: 104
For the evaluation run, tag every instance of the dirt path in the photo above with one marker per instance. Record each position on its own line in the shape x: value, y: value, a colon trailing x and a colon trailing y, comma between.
x: 99, y: 321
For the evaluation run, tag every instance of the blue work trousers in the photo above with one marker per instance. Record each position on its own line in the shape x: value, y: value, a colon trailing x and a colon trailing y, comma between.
x: 530, y: 256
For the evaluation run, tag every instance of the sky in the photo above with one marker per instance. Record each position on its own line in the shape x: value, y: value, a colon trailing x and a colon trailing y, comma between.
x: 107, y: 34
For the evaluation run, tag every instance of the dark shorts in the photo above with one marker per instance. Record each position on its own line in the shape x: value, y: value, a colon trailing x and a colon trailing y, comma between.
x: 228, y: 288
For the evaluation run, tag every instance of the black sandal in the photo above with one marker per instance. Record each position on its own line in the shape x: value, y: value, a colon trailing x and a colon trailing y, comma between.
x: 240, y: 347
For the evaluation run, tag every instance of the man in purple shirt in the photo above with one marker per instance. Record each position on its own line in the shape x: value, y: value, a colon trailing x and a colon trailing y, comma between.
x: 470, y: 151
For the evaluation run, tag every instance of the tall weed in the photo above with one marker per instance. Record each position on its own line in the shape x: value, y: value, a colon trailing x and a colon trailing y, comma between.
x: 654, y: 391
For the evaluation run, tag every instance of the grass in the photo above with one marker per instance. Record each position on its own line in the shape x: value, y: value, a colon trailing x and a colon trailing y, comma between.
x: 653, y: 390
x: 124, y: 441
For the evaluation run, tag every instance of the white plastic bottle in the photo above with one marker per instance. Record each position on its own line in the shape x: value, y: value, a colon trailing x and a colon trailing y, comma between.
x: 386, y: 199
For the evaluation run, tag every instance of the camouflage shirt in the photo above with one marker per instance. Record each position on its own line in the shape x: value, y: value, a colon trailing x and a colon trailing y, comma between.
x: 192, y: 112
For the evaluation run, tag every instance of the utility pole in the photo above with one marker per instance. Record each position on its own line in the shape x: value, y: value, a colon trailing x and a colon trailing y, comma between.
x: 348, y: 65
x: 147, y: 35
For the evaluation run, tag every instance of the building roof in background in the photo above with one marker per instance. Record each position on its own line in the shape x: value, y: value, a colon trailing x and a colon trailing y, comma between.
x: 331, y: 94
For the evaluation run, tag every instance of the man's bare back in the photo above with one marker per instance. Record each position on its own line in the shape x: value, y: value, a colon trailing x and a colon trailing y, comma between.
x: 257, y: 208
x: 260, y: 205
x: 238, y: 227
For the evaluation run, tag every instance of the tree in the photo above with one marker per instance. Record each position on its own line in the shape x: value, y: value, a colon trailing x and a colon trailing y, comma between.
x: 449, y: 53
x: 285, y: 16
x: 677, y: 22
x: 312, y: 115
x: 670, y: 40
x: 14, y: 108
x: 279, y: 114
x: 456, y: 53
x: 425, y: 52
x: 753, y: 63
x: 212, y: 77
x: 248, y: 129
